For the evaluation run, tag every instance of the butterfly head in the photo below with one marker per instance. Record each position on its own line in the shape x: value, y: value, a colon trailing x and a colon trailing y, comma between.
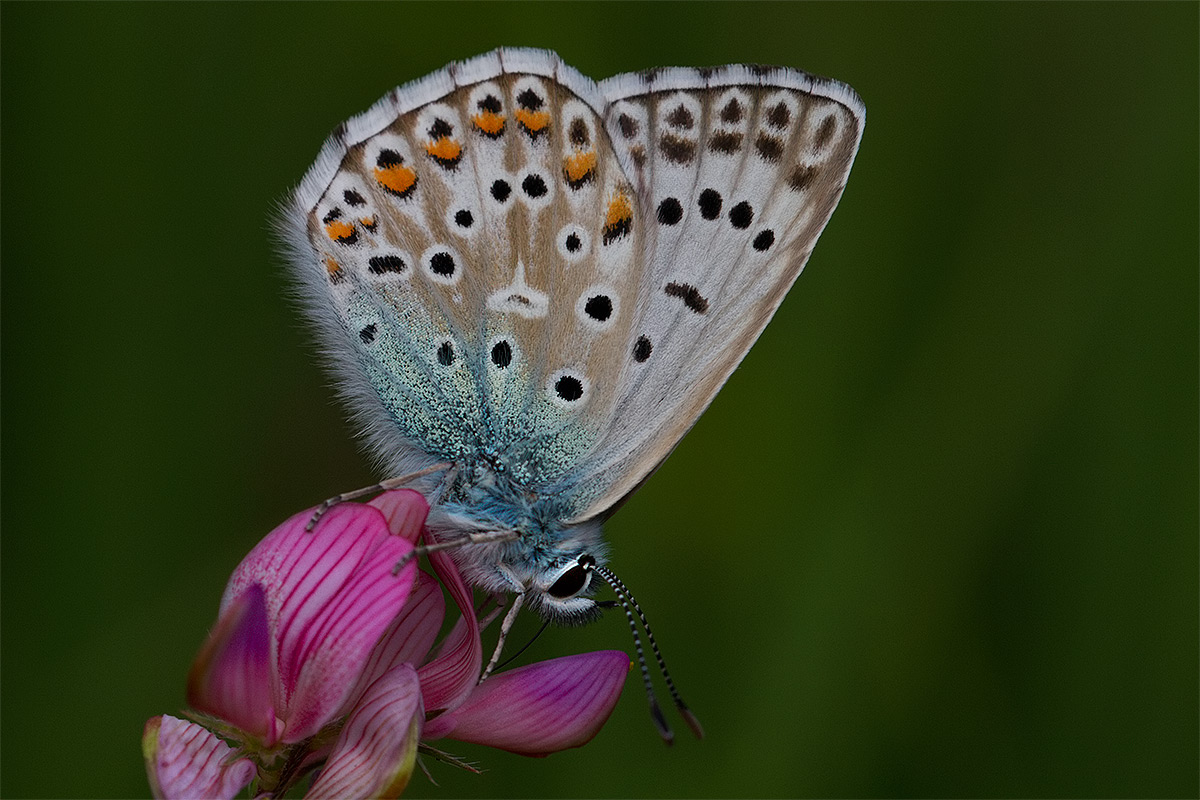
x: 561, y: 592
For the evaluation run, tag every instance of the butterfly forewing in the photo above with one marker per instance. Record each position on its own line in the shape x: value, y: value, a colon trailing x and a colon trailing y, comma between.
x: 480, y: 255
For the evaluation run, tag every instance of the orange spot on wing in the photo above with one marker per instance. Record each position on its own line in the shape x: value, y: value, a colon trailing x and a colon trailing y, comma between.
x: 532, y: 120
x: 619, y: 210
x: 619, y: 220
x: 334, y: 270
x: 340, y: 230
x: 367, y: 222
x: 577, y: 166
x: 488, y: 122
x: 398, y: 178
x: 444, y: 149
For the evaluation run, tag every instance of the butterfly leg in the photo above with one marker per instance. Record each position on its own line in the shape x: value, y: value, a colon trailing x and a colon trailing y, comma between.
x: 454, y: 544
x: 505, y: 627
x: 382, y: 486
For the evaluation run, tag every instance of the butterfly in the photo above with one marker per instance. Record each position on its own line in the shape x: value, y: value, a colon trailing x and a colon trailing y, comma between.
x: 530, y: 285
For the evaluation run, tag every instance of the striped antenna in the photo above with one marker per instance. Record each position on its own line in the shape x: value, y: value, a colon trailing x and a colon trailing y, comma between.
x: 630, y: 604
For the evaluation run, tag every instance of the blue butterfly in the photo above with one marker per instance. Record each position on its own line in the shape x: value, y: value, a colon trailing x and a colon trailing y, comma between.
x: 531, y: 285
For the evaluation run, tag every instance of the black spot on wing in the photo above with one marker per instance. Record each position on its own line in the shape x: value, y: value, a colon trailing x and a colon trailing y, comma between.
x: 670, y: 211
x: 578, y: 132
x: 534, y: 185
x: 727, y: 142
x: 825, y: 132
x: 680, y: 117
x: 677, y: 149
x: 628, y: 126
x: 770, y: 148
x: 741, y: 215
x: 689, y: 294
x: 529, y: 100
x: 599, y: 307
x: 381, y: 265
x: 502, y: 354
x: 569, y: 388
x: 801, y: 177
x: 442, y: 263
x: 778, y: 116
x: 710, y: 204
x: 642, y: 349
x: 732, y: 111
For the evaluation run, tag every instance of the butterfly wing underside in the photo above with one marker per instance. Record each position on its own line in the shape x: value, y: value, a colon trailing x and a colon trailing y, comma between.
x: 512, y: 263
x: 460, y: 234
x: 737, y: 171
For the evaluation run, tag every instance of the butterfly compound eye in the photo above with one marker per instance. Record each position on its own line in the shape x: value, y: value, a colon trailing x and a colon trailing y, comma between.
x: 570, y: 583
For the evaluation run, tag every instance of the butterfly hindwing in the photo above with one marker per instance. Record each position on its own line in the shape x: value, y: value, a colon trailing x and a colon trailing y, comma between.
x: 737, y: 172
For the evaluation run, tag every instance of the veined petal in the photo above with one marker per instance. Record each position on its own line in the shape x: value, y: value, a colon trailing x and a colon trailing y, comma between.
x: 328, y: 646
x: 410, y: 635
x: 447, y: 680
x: 183, y: 760
x: 231, y: 676
x: 541, y: 708
x: 377, y: 748
x: 405, y: 512
x: 330, y: 594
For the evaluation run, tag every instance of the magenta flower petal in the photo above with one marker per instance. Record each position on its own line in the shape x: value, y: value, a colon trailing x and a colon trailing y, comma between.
x: 231, y: 677
x: 330, y: 594
x: 447, y: 680
x: 377, y: 749
x: 405, y: 512
x: 540, y: 708
x: 410, y: 635
x: 183, y: 760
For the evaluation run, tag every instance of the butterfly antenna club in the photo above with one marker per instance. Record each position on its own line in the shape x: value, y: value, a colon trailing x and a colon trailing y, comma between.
x: 631, y: 607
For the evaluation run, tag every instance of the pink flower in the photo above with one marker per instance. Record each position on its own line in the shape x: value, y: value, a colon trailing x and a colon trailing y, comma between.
x: 532, y: 710
x: 320, y: 659
x: 298, y: 620
x: 185, y: 760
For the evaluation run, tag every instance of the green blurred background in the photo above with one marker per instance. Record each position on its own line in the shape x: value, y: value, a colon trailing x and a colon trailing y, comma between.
x: 938, y: 536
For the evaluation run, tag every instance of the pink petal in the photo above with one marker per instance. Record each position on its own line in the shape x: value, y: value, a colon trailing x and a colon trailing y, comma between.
x: 183, y: 760
x: 330, y: 595
x: 541, y: 708
x: 405, y: 511
x: 231, y: 677
x: 410, y: 635
x: 377, y: 749
x: 447, y: 680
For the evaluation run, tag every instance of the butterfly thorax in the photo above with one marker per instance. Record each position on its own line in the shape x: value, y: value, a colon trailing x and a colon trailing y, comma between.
x: 482, y: 496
